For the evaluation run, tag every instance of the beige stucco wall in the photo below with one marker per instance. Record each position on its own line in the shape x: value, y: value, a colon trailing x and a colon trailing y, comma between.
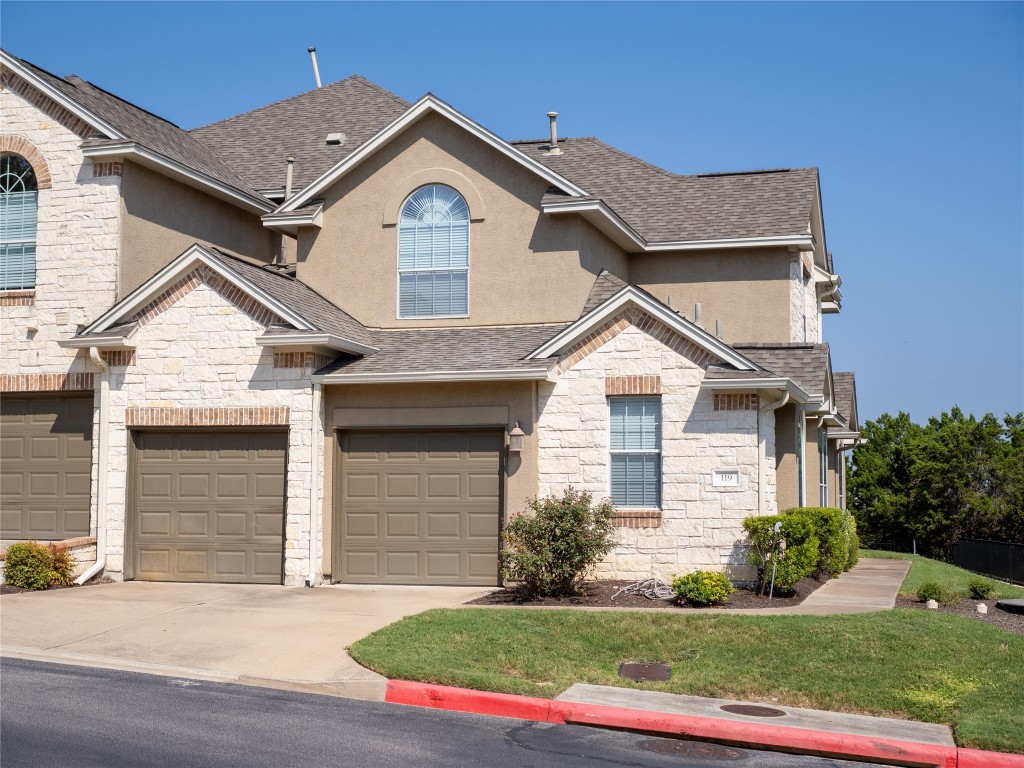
x: 518, y: 397
x: 525, y: 267
x: 748, y: 290
x: 161, y: 218
x: 786, y: 457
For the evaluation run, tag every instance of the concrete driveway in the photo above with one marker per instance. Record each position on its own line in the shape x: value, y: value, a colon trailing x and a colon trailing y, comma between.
x: 281, y: 637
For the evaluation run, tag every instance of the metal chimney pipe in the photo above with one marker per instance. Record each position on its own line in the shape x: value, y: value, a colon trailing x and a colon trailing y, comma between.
x: 553, y: 149
x: 288, y: 178
x: 698, y: 314
x: 718, y: 328
x: 316, y: 69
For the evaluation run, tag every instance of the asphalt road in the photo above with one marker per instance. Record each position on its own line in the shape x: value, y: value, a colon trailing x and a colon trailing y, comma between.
x: 56, y: 715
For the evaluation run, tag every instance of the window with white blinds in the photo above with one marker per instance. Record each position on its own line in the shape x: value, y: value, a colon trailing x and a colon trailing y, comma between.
x: 19, y: 198
x: 636, y: 451
x: 433, y: 254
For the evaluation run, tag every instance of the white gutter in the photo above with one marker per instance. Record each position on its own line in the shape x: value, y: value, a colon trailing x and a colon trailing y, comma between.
x: 315, y: 339
x: 101, y: 469
x: 789, y: 385
x: 801, y: 457
x: 316, y: 435
x: 514, y: 374
x: 762, y: 451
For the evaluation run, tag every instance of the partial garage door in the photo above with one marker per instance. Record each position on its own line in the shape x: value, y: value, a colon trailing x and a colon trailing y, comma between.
x: 419, y: 507
x: 209, y: 506
x: 45, y: 466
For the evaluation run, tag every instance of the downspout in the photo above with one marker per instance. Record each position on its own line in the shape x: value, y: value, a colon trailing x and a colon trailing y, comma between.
x: 316, y: 435
x: 101, y: 468
x: 801, y: 452
x: 762, y: 451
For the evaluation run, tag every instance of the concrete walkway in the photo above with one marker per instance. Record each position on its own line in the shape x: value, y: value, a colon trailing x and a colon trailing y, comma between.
x: 280, y: 637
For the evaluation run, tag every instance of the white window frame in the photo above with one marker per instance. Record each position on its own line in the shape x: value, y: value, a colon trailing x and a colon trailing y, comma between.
x: 638, y: 452
x: 398, y: 260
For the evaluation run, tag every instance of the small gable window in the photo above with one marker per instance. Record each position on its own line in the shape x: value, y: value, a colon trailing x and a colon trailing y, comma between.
x: 433, y: 254
x: 19, y: 198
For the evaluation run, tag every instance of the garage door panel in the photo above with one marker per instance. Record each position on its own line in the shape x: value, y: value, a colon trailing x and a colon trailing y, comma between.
x: 47, y: 447
x: 213, y: 502
x: 44, y: 485
x: 420, y: 507
x: 41, y: 521
x: 77, y: 485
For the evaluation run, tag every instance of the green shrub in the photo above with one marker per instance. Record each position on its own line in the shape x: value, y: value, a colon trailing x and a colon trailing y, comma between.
x: 831, y: 528
x: 31, y: 565
x: 801, y: 554
x: 932, y: 590
x: 853, y: 543
x: 980, y: 589
x: 551, y: 551
x: 703, y: 588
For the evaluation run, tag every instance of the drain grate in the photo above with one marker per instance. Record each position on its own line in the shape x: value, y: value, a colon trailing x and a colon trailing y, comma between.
x: 697, y: 749
x: 641, y: 672
x: 752, y: 710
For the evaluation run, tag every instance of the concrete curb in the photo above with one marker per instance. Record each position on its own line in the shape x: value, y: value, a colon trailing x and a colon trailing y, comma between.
x: 773, y: 737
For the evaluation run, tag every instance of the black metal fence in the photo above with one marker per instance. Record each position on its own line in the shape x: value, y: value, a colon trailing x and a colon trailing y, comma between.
x: 998, y: 559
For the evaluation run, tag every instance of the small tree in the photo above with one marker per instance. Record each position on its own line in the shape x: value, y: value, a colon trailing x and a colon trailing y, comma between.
x: 550, y: 551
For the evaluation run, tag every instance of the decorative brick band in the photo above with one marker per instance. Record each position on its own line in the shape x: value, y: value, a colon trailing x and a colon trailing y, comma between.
x: 46, y: 382
x: 120, y: 358
x: 736, y: 402
x: 17, y: 298
x: 641, y: 320
x: 205, y: 275
x: 22, y: 146
x: 637, y: 518
x: 311, y: 360
x: 260, y: 416
x: 101, y: 170
x: 80, y: 541
x: 632, y: 385
x: 45, y: 104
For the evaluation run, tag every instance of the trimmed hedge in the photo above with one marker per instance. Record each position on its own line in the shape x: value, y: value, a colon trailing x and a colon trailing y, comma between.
x: 31, y: 565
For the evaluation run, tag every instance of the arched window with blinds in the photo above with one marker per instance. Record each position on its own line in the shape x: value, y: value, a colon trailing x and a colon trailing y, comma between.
x: 433, y: 254
x: 19, y: 202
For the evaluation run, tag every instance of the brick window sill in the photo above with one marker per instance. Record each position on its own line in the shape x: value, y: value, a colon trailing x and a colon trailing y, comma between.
x: 637, y: 518
x: 19, y: 298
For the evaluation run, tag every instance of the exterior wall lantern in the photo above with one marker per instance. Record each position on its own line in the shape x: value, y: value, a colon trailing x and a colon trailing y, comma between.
x: 515, y: 439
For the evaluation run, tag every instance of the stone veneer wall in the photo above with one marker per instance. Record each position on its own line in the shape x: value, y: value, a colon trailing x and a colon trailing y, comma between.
x: 201, y: 353
x: 701, y: 525
x: 77, y: 240
x: 803, y: 303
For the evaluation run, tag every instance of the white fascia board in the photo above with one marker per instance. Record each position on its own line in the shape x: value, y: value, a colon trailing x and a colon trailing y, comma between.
x: 60, y: 98
x: 427, y: 104
x: 177, y: 269
x: 290, y: 223
x: 627, y: 295
x: 165, y: 165
x: 314, y: 339
x: 602, y: 217
x: 117, y: 342
x: 780, y: 383
x: 803, y: 242
x: 513, y: 374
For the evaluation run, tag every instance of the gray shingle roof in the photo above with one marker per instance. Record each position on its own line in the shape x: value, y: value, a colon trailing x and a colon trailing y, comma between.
x: 451, y: 349
x: 846, y: 396
x: 605, y: 286
x: 806, y: 364
x: 727, y: 372
x: 256, y: 143
x: 143, y: 127
x: 663, y: 206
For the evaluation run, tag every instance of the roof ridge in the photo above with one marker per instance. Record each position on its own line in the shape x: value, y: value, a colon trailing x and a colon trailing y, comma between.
x: 380, y: 89
x: 123, y: 100
x: 635, y: 159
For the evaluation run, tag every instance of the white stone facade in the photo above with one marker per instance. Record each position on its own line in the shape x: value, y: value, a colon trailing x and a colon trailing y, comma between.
x: 701, y: 524
x: 202, y: 352
x: 804, y: 312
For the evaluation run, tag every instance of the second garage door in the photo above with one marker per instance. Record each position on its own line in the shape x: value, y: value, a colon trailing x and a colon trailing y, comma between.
x: 419, y: 507
x: 209, y: 506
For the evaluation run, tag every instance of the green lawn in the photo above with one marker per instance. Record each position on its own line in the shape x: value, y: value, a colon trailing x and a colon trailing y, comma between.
x: 908, y: 663
x: 923, y: 569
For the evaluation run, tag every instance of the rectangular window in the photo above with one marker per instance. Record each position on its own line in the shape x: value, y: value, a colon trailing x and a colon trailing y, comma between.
x: 18, y: 240
x: 635, y: 451
x: 433, y: 269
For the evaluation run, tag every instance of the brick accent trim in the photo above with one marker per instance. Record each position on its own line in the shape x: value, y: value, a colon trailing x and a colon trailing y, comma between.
x: 632, y: 385
x: 259, y: 416
x: 638, y: 319
x: 311, y: 360
x: 19, y: 145
x: 102, y: 170
x: 81, y: 541
x: 17, y: 298
x: 120, y: 358
x: 637, y: 518
x: 45, y: 104
x: 200, y: 276
x: 46, y: 382
x: 737, y: 402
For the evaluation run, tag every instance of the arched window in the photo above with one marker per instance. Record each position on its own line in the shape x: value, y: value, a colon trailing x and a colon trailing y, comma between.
x: 19, y: 193
x: 433, y: 254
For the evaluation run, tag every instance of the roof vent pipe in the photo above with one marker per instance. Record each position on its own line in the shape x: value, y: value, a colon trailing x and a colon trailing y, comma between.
x: 698, y: 314
x: 316, y: 69
x: 288, y: 178
x: 553, y: 148
x: 718, y: 328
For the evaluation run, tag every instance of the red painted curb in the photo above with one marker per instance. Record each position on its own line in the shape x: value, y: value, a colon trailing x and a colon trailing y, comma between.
x: 782, y: 738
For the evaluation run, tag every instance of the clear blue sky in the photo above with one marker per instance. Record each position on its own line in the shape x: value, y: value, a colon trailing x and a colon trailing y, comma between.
x: 913, y: 112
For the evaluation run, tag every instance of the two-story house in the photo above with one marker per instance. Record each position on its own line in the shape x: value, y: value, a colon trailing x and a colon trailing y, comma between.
x: 345, y: 337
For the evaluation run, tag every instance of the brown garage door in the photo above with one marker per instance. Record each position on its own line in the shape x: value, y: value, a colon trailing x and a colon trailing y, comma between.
x: 45, y: 466
x: 208, y: 506
x: 419, y: 507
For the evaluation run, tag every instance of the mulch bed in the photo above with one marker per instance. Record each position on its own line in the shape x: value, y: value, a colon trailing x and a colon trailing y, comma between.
x: 10, y: 589
x: 1011, y: 622
x: 599, y: 594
